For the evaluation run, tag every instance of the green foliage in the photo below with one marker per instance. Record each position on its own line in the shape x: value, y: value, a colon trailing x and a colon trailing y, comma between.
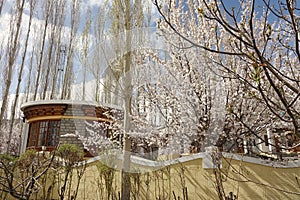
x: 7, y: 158
x: 70, y: 153
x: 107, y: 172
x: 23, y: 176
x: 31, y: 153
x: 104, y: 169
x: 7, y: 162
x: 27, y: 158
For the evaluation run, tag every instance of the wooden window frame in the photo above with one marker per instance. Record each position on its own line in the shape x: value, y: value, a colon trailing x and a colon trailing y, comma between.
x: 50, y: 130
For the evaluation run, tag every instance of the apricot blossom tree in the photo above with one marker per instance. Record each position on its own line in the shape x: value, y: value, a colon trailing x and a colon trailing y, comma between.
x: 254, y: 47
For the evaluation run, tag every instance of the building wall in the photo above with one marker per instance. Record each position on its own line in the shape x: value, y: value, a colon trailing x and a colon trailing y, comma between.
x: 189, y: 176
x: 72, y: 125
x: 71, y: 114
x: 245, y: 179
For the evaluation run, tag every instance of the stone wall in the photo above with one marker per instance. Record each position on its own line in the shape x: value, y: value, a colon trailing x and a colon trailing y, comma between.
x: 71, y: 139
x: 73, y: 125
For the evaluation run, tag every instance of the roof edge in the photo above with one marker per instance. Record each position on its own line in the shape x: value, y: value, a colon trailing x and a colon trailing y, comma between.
x: 68, y: 102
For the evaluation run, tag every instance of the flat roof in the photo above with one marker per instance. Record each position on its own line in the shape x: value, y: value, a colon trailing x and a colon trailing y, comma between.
x: 68, y: 102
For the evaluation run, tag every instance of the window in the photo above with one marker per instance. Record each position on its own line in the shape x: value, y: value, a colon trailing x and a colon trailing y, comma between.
x: 44, y: 133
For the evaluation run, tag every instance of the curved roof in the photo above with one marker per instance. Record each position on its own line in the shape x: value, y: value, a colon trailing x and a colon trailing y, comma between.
x: 68, y: 102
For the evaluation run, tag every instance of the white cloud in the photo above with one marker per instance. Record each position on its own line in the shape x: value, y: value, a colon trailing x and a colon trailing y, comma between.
x: 4, y: 27
x: 95, y: 2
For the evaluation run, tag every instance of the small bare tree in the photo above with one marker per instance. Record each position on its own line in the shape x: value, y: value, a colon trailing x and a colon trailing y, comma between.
x: 70, y: 161
x: 21, y: 177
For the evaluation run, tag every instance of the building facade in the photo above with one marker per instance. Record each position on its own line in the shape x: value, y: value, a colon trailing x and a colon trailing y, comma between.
x: 54, y: 121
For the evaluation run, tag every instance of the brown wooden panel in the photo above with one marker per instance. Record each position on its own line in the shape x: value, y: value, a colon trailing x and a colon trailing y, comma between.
x: 44, y: 110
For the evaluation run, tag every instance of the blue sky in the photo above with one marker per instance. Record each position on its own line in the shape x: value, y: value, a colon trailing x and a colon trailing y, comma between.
x: 4, y: 28
x: 94, y: 5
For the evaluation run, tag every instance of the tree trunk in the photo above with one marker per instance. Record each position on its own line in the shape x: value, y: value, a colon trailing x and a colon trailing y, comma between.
x: 12, y: 52
x: 41, y: 54
x: 13, y: 111
x: 75, y: 16
x: 126, y: 186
